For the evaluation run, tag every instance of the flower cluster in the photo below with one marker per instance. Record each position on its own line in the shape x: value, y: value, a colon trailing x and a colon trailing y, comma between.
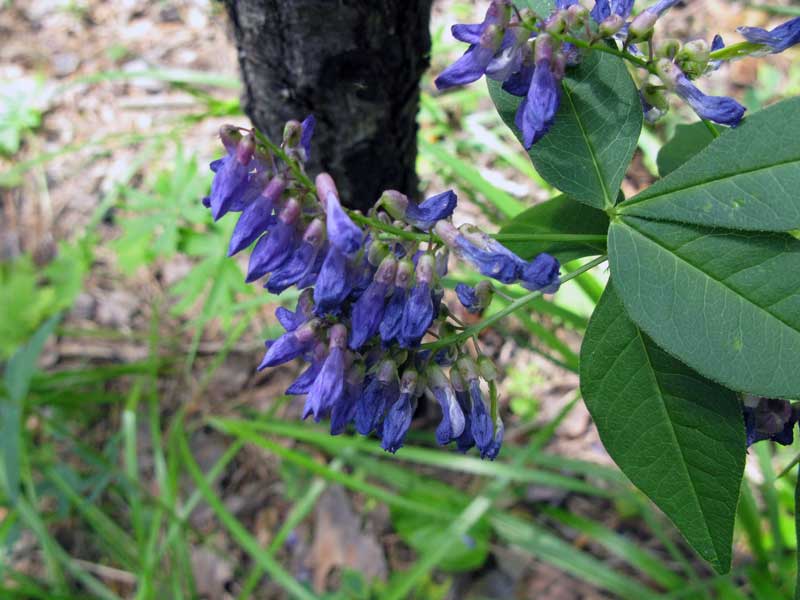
x: 770, y: 419
x: 370, y: 293
x: 529, y: 54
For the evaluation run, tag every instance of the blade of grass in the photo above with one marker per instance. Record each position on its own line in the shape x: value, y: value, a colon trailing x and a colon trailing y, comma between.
x: 129, y: 436
x: 770, y: 497
x: 504, y: 203
x: 300, y: 510
x: 434, y: 458
x: 237, y: 530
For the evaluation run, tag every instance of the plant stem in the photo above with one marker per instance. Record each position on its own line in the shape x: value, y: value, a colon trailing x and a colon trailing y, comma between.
x: 710, y: 126
x: 639, y: 62
x: 513, y: 307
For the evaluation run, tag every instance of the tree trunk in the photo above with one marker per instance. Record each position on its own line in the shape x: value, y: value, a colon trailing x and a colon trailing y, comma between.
x: 354, y: 64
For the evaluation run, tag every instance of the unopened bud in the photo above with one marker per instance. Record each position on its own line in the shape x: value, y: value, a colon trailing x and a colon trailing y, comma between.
x: 557, y: 22
x: 395, y: 203
x: 667, y: 48
x: 292, y: 133
x: 245, y: 149
x: 441, y: 258
x: 387, y: 270
x: 693, y: 58
x: 425, y: 268
x: 291, y: 212
x: 376, y: 253
x: 405, y: 270
x: 544, y: 48
x: 487, y: 368
x: 230, y: 136
x: 641, y: 28
x: 611, y: 25
x: 337, y: 336
x: 315, y: 233
x: 325, y: 187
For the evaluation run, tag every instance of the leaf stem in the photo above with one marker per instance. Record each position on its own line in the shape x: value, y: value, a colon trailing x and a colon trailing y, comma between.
x: 639, y: 62
x: 711, y: 128
x: 513, y: 307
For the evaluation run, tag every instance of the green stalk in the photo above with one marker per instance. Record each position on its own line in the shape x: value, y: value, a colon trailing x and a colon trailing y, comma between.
x: 513, y: 307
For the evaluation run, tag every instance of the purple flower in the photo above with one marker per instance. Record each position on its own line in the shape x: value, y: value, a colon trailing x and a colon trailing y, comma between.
x: 231, y: 177
x: 367, y: 311
x: 307, y: 128
x: 541, y: 274
x: 485, y: 39
x: 494, y: 448
x: 256, y: 216
x: 333, y: 282
x: 393, y: 312
x: 342, y: 232
x: 605, y: 8
x: 301, y: 261
x: 291, y: 320
x: 476, y: 299
x: 778, y: 39
x: 328, y: 387
x: 719, y: 109
x: 398, y: 419
x: 303, y: 383
x: 381, y: 391
x: 452, y: 423
x: 537, y: 111
x: 481, y: 422
x: 427, y: 213
x: 344, y: 411
x: 489, y: 256
x: 290, y: 345
x: 418, y: 312
x: 274, y: 248
x: 770, y: 419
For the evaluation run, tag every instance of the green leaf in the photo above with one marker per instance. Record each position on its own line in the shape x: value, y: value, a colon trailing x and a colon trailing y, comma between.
x: 746, y: 179
x: 687, y: 141
x: 596, y: 130
x: 725, y: 303
x: 17, y: 379
x: 422, y: 533
x: 678, y: 436
x: 559, y: 215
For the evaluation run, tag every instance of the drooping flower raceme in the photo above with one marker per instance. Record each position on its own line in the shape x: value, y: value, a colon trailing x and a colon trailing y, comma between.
x: 369, y: 296
x: 530, y: 54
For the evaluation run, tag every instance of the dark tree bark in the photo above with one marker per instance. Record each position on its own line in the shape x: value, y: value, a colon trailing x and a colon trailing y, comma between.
x: 354, y: 64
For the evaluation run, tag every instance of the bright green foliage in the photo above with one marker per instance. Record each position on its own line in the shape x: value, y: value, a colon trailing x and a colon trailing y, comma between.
x: 20, y: 112
x: 587, y: 151
x: 160, y: 219
x: 727, y: 304
x: 687, y: 141
x: 560, y: 215
x: 16, y: 381
x: 30, y: 294
x: 747, y: 179
x: 678, y: 436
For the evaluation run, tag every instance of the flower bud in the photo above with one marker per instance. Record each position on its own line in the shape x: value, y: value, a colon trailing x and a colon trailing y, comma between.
x: 693, y: 58
x: 487, y: 368
x: 441, y: 258
x: 376, y: 253
x: 395, y: 203
x: 230, y: 136
x: 641, y: 28
x: 667, y: 48
x: 544, y: 48
x: 405, y: 270
x: 245, y: 149
x: 292, y: 132
x: 611, y: 25
x: 557, y: 22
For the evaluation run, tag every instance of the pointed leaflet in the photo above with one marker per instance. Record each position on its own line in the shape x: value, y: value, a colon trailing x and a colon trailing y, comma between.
x: 746, y: 179
x: 556, y: 216
x: 687, y: 141
x: 677, y: 436
x: 725, y: 303
x: 588, y: 149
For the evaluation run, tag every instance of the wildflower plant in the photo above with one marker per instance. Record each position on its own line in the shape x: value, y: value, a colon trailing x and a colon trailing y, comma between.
x: 692, y: 352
